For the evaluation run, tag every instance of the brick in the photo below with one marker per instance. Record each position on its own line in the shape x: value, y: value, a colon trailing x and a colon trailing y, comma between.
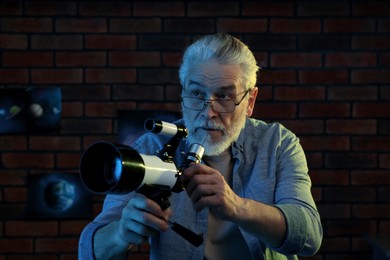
x: 242, y: 26
x: 321, y: 42
x: 324, y: 77
x: 72, y: 227
x: 86, y: 92
x: 278, y: 77
x: 104, y: 42
x: 375, y: 42
x: 329, y: 177
x: 28, y: 160
x: 335, y: 244
x: 12, y: 177
x: 140, y: 25
x: 86, y: 126
x: 27, y: 59
x: 10, y: 7
x: 368, y: 109
x: 323, y: 110
x: 334, y: 211
x: 56, y: 76
x: 33, y: 257
x: 325, y: 143
x: 22, y: 245
x: 31, y: 228
x: 90, y: 139
x: 299, y: 93
x: 189, y: 25
x: 174, y: 107
x: 56, y: 42
x: 72, y: 109
x: 258, y: 8
x: 371, y: 211
x: 384, y: 126
x: 13, y: 42
x: 137, y: 92
x: 68, y: 160
x: 14, y: 143
x: 322, y: 8
x: 105, y: 8
x: 106, y: 109
x: 383, y: 25
x: 83, y: 25
x: 384, y: 161
x: 317, y: 194
x: 384, y: 196
x: 53, y: 245
x: 348, y: 126
x: 171, y: 59
x: 370, y: 76
x: 384, y: 227
x: 274, y: 110
x: 314, y: 160
x: 299, y: 127
x: 371, y: 143
x: 27, y: 25
x: 351, y: 160
x: 134, y: 58
x: 350, y: 227
x: 265, y: 93
x: 80, y: 59
x: 349, y: 25
x: 15, y: 194
x: 172, y: 93
x: 49, y: 143
x: 384, y: 59
x: 158, y: 76
x: 163, y: 42
x: 296, y: 59
x: 374, y: 8
x: 364, y: 59
x: 384, y: 92
x: 212, y: 9
x: 43, y: 8
x: 283, y: 25
x: 270, y: 42
x: 13, y: 76
x: 110, y: 75
x: 170, y: 9
x: 354, y: 92
x: 370, y: 177
x: 349, y: 194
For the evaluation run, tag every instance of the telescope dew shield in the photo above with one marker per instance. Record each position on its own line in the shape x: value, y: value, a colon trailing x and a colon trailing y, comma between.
x: 106, y: 168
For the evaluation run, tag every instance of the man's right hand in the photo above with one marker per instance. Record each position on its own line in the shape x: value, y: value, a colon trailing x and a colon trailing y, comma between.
x: 141, y: 218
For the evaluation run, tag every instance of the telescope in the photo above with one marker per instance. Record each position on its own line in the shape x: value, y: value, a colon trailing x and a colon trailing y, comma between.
x: 106, y: 168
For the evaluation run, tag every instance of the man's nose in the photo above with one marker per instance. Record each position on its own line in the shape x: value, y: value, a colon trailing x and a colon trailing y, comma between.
x: 208, y: 109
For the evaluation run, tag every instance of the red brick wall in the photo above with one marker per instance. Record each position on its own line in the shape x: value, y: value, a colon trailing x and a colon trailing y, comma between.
x: 326, y: 76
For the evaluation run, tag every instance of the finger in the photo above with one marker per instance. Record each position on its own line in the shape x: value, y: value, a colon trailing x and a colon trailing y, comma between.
x: 142, y: 202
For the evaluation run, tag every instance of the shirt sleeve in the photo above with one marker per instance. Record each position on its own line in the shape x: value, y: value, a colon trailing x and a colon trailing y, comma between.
x: 112, y: 210
x: 293, y: 197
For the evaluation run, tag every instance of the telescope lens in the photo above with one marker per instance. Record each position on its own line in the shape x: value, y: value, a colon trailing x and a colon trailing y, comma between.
x: 113, y: 169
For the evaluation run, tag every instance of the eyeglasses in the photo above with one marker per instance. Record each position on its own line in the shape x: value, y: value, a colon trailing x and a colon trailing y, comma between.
x: 219, y: 105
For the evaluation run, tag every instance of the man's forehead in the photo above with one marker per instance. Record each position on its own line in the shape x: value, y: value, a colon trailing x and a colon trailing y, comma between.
x: 225, y: 87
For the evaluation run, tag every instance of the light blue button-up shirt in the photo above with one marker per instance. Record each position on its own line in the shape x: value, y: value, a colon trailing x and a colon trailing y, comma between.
x: 269, y: 167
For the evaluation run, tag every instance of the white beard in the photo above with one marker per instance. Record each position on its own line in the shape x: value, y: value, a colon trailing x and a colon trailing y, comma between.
x: 212, y: 148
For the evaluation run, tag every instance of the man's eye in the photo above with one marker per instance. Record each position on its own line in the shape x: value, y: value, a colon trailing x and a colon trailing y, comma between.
x: 197, y: 94
x: 225, y: 96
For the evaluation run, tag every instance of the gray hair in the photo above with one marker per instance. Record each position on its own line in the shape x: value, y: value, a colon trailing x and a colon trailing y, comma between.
x: 227, y: 50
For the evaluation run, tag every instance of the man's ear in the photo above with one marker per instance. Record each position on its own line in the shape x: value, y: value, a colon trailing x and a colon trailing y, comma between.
x: 251, y: 101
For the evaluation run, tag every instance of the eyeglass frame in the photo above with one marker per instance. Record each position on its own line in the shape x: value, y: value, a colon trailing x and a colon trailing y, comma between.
x: 210, y: 101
